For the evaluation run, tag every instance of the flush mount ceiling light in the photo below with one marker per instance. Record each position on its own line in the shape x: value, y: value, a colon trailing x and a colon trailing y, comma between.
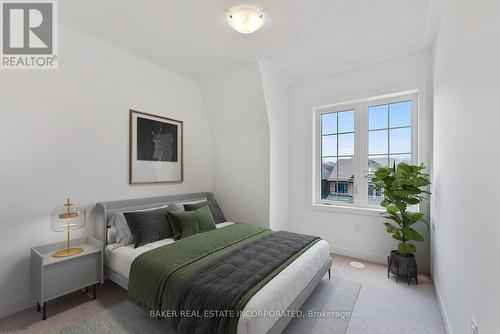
x: 245, y: 19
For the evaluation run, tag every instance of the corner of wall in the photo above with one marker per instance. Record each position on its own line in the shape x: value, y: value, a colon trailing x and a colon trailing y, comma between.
x: 275, y: 90
x: 248, y: 112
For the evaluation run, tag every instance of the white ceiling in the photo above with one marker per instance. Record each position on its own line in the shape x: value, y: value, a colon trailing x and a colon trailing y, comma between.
x: 302, y: 38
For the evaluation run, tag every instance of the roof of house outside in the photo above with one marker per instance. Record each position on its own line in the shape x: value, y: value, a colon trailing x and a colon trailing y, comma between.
x: 345, y: 169
x: 325, y: 171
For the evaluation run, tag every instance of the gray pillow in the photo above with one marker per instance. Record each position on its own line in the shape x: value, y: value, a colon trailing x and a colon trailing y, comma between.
x: 148, y: 226
x: 214, y: 207
x: 123, y: 235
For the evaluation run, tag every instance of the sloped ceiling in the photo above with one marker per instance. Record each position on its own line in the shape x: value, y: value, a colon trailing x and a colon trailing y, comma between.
x: 302, y: 38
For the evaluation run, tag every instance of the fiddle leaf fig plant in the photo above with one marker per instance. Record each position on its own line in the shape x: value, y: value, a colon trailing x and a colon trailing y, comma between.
x: 402, y: 186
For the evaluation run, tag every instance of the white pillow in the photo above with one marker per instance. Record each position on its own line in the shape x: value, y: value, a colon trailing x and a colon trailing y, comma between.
x: 123, y: 234
x: 111, y: 235
x: 180, y: 205
x: 119, y: 222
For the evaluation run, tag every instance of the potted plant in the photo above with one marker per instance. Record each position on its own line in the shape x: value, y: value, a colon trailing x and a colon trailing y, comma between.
x: 402, y: 187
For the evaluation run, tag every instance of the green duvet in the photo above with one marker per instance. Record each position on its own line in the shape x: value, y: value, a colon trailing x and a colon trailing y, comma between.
x: 157, y: 276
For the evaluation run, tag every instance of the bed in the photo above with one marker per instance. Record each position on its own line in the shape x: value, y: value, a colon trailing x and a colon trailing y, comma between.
x: 286, y: 291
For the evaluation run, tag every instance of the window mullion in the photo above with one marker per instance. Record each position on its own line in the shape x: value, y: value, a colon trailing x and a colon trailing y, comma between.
x: 337, y: 169
x: 360, y: 153
x: 414, y: 131
x: 356, y: 155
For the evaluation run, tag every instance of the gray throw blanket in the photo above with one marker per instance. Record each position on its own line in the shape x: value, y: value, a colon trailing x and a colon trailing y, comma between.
x: 210, y: 299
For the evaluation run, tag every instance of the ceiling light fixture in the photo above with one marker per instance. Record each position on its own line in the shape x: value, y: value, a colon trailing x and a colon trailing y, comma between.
x: 245, y: 19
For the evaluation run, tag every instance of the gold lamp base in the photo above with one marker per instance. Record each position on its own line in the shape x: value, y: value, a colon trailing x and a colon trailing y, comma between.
x: 68, y: 252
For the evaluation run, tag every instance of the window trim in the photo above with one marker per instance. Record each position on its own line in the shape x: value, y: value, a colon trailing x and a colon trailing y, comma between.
x: 361, y: 136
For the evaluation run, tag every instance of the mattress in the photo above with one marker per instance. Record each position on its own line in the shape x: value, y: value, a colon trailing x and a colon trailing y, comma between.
x: 275, y: 296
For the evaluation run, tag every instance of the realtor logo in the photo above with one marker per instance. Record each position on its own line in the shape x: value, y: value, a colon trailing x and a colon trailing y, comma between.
x: 29, y: 34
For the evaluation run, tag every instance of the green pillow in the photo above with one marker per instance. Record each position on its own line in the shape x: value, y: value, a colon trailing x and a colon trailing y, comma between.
x: 184, y: 224
x: 205, y: 218
x: 187, y: 223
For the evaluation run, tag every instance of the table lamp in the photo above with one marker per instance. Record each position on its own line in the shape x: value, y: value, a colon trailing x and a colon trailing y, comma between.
x: 64, y: 219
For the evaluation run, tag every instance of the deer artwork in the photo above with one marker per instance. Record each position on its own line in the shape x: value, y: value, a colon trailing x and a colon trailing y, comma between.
x: 162, y: 145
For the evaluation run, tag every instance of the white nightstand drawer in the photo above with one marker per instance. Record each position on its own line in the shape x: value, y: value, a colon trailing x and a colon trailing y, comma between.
x: 64, y: 277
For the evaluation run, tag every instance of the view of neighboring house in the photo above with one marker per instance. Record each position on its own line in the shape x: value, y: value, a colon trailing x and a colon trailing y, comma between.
x: 337, y: 180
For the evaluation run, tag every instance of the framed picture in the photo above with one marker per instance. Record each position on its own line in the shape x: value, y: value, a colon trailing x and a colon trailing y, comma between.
x: 156, y: 149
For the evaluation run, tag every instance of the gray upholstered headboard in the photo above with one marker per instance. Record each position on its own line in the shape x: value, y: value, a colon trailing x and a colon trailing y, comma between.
x: 105, y: 210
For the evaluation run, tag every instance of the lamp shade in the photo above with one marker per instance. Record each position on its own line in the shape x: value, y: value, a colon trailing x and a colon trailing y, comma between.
x: 67, y: 217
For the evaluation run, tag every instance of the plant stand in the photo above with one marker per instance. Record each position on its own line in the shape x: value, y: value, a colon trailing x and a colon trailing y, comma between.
x: 402, y: 267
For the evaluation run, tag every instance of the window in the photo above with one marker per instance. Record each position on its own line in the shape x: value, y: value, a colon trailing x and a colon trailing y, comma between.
x: 337, y: 156
x: 389, y: 139
x: 354, y: 139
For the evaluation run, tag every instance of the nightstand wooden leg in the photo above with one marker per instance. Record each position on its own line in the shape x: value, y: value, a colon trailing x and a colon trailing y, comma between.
x: 87, y: 289
x: 44, y: 311
x: 94, y: 296
x: 38, y: 308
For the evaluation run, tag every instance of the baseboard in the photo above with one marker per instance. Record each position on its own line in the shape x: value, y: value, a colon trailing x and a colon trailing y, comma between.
x: 359, y: 255
x: 380, y: 259
x: 16, y: 306
x: 441, y: 307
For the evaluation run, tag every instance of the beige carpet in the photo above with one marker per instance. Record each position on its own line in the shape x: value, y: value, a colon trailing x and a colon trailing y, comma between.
x: 387, y: 307
x: 63, y: 311
x: 336, y: 296
x: 383, y: 306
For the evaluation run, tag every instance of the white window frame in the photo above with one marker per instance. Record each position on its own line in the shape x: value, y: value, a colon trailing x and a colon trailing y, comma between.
x: 360, y: 163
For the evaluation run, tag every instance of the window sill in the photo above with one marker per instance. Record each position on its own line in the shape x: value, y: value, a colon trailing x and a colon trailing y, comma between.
x: 353, y: 210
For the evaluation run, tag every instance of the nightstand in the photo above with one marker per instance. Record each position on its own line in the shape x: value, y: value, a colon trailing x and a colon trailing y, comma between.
x: 52, y: 277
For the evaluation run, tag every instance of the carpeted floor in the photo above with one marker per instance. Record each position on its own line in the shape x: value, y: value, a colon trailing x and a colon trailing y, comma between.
x: 336, y: 296
x: 387, y: 307
x: 382, y: 306
x: 328, y: 309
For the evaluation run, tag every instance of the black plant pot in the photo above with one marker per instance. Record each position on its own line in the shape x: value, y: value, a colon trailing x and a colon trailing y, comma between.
x: 403, y: 266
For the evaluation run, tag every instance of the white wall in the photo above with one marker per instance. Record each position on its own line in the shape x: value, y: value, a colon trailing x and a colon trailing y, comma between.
x: 237, y: 112
x: 466, y: 245
x: 372, y: 243
x: 248, y: 113
x: 275, y: 87
x: 65, y: 132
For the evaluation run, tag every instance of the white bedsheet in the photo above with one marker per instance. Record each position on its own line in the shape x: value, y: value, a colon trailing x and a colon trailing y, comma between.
x: 276, y: 295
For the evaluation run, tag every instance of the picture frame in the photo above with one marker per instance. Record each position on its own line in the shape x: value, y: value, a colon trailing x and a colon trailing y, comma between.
x: 156, y: 149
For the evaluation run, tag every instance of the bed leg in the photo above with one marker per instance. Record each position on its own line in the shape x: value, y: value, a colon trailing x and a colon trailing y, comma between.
x: 329, y: 273
x: 44, y: 311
